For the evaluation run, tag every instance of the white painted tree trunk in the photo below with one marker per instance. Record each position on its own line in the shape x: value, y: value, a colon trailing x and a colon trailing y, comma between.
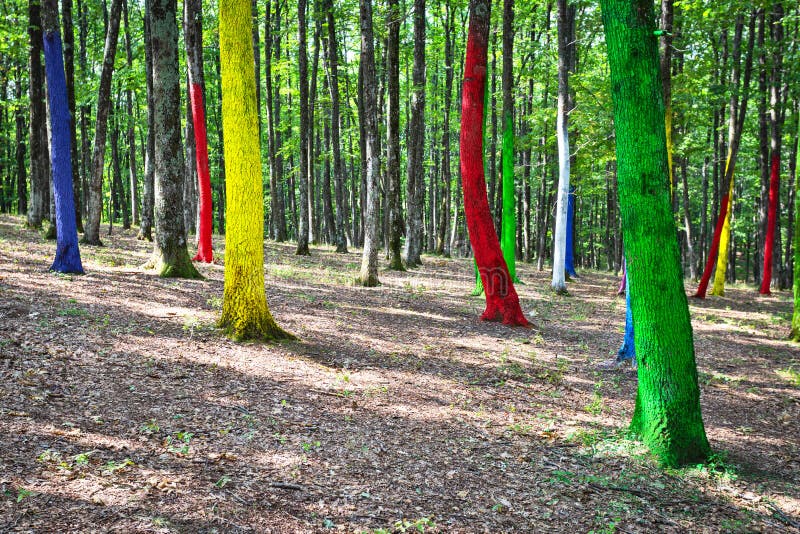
x: 560, y: 240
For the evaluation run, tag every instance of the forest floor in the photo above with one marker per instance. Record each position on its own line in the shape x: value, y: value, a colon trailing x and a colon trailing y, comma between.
x: 123, y: 408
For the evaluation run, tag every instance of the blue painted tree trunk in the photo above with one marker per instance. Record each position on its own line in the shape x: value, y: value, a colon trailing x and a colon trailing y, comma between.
x: 68, y: 257
x: 569, y: 259
x: 628, y: 349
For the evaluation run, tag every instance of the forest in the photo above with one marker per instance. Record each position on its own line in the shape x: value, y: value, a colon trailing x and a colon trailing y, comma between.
x: 399, y: 266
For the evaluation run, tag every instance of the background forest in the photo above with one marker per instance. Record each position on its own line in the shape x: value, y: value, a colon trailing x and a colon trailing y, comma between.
x: 703, y: 62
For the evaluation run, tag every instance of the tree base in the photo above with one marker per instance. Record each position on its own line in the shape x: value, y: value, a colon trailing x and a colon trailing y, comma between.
x: 302, y: 250
x: 49, y: 231
x: 204, y: 257
x: 795, y: 335
x: 367, y: 281
x: 64, y: 268
x: 144, y: 235
x: 672, y: 449
x: 92, y: 242
x: 341, y: 249
x: 263, y: 328
x: 508, y: 315
x: 396, y: 264
x: 180, y: 267
x: 559, y: 289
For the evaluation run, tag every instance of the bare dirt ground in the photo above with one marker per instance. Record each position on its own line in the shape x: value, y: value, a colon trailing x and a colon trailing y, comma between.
x: 123, y: 409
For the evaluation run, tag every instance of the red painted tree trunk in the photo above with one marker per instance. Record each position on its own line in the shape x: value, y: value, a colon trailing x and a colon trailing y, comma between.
x: 204, y: 248
x: 712, y: 253
x: 502, y: 302
x: 774, y: 183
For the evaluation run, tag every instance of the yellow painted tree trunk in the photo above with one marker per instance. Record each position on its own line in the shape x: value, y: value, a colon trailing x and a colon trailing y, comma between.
x: 724, y: 243
x: 245, y: 313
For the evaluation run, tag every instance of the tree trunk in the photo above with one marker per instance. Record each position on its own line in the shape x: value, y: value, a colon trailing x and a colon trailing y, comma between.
x: 245, y: 313
x: 193, y: 35
x: 190, y: 168
x: 737, y: 112
x: 776, y: 126
x: 133, y: 178
x: 38, y: 204
x: 444, y: 241
x: 393, y: 16
x: 92, y: 233
x: 332, y: 68
x: 313, y: 133
x: 170, y: 255
x: 566, y: 16
x: 369, y: 259
x: 67, y: 259
x: 148, y: 189
x: 416, y: 145
x: 272, y: 36
x: 302, y: 179
x: 687, y: 222
x: 667, y: 411
x: 69, y: 70
x: 502, y: 301
x: 327, y: 201
x: 22, y: 177
x: 508, y: 232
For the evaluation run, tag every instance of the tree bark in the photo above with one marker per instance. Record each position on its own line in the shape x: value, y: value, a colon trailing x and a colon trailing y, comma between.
x: 133, y: 177
x: 67, y: 259
x: 170, y: 256
x: 667, y: 411
x: 193, y: 35
x: 508, y: 231
x: 302, y: 178
x: 776, y: 127
x: 38, y: 203
x: 393, y: 16
x: 245, y: 313
x: 272, y: 40
x: 69, y: 70
x: 369, y: 259
x: 415, y: 181
x: 332, y: 69
x: 502, y: 301
x: 736, y: 117
x: 566, y: 16
x: 148, y: 189
x: 92, y: 233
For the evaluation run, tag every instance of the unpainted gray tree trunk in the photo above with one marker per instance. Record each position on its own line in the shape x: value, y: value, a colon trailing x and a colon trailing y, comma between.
x: 395, y: 221
x: 38, y: 204
x: 302, y: 178
x: 369, y: 259
x: 415, y: 182
x: 145, y: 230
x: 92, y: 231
x: 170, y: 254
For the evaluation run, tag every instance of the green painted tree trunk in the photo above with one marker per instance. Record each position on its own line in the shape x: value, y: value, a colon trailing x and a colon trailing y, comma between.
x: 508, y: 233
x: 667, y: 414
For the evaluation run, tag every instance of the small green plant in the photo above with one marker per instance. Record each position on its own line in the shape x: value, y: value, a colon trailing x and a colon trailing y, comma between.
x: 223, y: 481
x: 23, y: 494
x: 419, y: 525
x: 309, y: 446
x: 214, y: 302
x: 790, y: 374
x: 179, y: 443
x: 597, y: 406
x: 150, y: 427
x: 73, y: 311
x: 112, y: 467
